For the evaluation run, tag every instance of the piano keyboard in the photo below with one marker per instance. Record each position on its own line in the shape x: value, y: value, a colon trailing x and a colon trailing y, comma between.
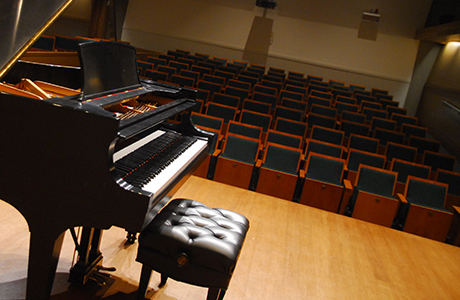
x: 154, y: 161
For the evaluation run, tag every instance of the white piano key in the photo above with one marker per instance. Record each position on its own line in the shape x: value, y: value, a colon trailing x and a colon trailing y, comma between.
x: 175, y: 167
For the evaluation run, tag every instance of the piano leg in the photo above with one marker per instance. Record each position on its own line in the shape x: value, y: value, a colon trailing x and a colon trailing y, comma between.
x: 43, y: 259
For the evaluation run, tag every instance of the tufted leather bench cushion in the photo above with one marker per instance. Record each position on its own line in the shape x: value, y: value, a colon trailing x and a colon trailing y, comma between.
x: 193, y: 243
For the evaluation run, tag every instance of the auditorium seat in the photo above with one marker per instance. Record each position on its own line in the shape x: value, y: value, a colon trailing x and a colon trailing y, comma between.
x: 438, y: 161
x: 156, y: 61
x: 279, y: 173
x: 363, y: 143
x: 235, y: 165
x: 315, y: 146
x: 256, y: 106
x: 156, y: 75
x: 327, y: 135
x: 405, y: 169
x: 453, y: 192
x: 283, y: 138
x: 372, y: 198
x: 288, y: 113
x: 358, y: 157
x: 399, y: 151
x: 324, y: 185
x: 324, y: 111
x: 423, y: 212
x: 251, y: 131
x: 256, y: 119
x: 292, y: 127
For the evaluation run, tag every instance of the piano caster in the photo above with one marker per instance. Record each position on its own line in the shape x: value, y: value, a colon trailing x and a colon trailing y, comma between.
x: 131, y: 237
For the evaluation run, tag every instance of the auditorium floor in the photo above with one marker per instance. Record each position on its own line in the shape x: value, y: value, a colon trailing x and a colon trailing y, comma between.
x: 291, y: 252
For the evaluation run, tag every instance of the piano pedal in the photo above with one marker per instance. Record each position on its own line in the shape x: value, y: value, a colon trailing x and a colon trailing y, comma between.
x: 107, y: 269
x: 98, y: 278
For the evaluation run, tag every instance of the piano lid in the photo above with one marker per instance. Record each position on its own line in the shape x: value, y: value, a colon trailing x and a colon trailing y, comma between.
x: 22, y: 22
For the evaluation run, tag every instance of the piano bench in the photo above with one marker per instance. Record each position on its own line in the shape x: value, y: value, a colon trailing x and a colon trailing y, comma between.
x: 192, y: 243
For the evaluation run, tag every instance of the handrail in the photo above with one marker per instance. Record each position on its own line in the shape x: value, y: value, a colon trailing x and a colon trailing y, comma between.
x: 451, y: 106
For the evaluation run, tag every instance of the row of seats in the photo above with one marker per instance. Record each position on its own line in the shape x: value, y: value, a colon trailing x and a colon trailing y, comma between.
x: 376, y: 194
x: 283, y: 162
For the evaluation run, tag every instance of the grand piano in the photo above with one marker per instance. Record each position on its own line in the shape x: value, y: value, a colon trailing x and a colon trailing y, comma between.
x: 101, y: 157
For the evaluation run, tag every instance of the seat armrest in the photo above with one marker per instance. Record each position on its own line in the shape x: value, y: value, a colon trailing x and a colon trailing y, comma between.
x: 347, y: 184
x: 402, y: 198
x: 258, y: 163
x: 302, y: 173
x: 217, y: 152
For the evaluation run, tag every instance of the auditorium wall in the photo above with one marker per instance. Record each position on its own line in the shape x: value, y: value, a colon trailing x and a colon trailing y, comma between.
x: 312, y: 37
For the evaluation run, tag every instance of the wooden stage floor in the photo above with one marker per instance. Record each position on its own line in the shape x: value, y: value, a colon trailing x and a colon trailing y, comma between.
x: 291, y: 252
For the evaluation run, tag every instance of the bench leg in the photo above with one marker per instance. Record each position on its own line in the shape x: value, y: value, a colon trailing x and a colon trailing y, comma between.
x: 144, y: 282
x: 163, y: 280
x: 215, y: 294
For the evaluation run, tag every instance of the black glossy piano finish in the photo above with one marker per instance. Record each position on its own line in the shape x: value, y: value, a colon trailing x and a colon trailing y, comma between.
x: 56, y: 165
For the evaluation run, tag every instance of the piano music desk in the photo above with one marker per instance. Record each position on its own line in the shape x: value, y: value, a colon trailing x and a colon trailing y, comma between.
x: 292, y: 251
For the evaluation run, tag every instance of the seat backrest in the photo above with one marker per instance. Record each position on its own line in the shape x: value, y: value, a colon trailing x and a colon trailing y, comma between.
x: 327, y: 135
x: 426, y: 192
x: 323, y: 148
x: 325, y: 168
x: 265, y: 89
x: 360, y: 98
x: 292, y: 127
x: 256, y: 106
x: 439, y: 161
x: 396, y: 110
x: 207, y: 121
x: 405, y: 169
x: 357, y: 157
x: 244, y: 129
x: 370, y: 113
x: 376, y: 181
x: 385, y: 136
x: 299, y: 105
x: 423, y: 144
x: 288, y: 113
x: 283, y: 159
x: 318, y: 101
x: 283, y: 138
x: 353, y: 117
x: 257, y: 119
x: 382, y: 123
x: 239, y: 84
x: 349, y: 127
x: 238, y: 92
x: 342, y: 106
x: 403, y: 152
x: 291, y: 95
x: 320, y: 120
x: 266, y: 98
x: 452, y: 179
x: 411, y: 130
x: 403, y: 119
x: 324, y: 111
x: 226, y: 99
x: 296, y: 89
x: 363, y: 143
x: 221, y: 111
x: 241, y: 149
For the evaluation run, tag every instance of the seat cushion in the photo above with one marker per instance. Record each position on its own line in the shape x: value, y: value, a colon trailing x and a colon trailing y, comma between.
x: 188, y: 240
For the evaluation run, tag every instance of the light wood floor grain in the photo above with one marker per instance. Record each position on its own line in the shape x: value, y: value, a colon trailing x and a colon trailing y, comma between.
x: 291, y: 252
